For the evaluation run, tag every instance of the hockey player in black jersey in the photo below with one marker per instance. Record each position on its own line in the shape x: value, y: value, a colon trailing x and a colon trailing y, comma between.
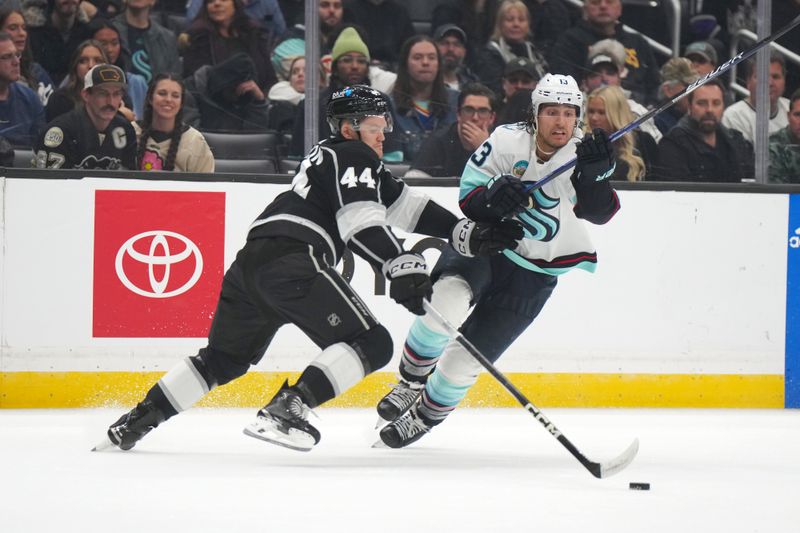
x: 341, y: 196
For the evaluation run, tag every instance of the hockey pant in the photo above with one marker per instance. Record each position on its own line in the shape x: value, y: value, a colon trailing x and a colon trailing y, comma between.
x: 506, y: 299
x: 273, y: 282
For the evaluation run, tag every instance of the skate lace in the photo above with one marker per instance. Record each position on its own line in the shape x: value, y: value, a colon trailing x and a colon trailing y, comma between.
x: 297, y: 408
x: 403, y: 394
x: 410, y: 425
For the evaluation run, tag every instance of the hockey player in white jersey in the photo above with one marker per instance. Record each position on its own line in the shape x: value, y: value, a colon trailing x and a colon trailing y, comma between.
x: 505, y: 292
x: 342, y: 196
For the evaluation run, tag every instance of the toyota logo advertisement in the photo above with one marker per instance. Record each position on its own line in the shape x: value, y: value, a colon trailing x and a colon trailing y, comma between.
x: 158, y: 262
x: 160, y: 258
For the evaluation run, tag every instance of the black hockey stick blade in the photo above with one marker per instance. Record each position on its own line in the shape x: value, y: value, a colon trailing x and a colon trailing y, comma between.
x: 735, y: 60
x: 598, y: 470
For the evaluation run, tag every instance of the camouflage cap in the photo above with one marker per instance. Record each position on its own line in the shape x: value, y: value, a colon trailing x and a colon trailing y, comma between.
x: 678, y: 69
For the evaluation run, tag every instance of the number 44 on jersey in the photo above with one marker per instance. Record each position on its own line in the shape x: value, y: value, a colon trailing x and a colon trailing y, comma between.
x: 349, y: 178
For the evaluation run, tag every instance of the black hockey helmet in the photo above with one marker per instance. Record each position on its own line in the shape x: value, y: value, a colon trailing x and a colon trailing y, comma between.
x: 357, y: 102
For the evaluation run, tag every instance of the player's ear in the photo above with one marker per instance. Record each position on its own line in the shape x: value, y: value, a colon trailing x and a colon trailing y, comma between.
x: 348, y: 131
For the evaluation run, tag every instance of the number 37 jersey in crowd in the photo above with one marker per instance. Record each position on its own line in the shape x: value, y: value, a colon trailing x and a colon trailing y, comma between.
x: 72, y: 141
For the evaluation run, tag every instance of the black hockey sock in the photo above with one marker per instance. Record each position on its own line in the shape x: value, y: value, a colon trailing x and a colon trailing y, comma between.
x: 314, y: 387
x: 156, y: 395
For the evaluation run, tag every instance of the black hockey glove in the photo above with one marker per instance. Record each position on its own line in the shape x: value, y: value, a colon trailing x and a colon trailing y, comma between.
x: 506, y: 196
x: 470, y: 238
x: 410, y: 281
x: 596, y: 160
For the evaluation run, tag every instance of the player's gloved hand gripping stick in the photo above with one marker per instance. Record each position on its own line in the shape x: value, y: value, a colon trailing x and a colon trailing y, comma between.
x: 668, y: 103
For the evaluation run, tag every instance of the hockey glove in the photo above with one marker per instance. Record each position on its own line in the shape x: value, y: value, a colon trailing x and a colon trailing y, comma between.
x: 410, y: 283
x: 595, y: 156
x: 506, y: 196
x: 470, y: 238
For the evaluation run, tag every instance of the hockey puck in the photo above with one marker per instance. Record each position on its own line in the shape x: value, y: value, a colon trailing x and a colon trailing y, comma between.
x: 639, y: 486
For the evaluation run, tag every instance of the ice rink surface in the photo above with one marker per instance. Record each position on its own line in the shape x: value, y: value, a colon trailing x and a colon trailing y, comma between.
x: 487, y: 470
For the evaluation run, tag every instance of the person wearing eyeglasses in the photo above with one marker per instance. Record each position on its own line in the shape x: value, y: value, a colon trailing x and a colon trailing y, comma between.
x: 32, y: 73
x: 21, y: 112
x: 446, y: 153
x: 350, y: 65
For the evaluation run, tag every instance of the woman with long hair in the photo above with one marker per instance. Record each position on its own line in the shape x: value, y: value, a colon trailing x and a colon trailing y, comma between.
x: 165, y: 141
x: 422, y: 101
x: 510, y: 39
x: 65, y: 98
x: 222, y: 29
x: 105, y: 33
x: 607, y: 108
x: 32, y: 74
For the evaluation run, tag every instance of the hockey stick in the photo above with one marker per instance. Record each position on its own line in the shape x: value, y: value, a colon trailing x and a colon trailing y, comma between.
x: 598, y: 470
x: 668, y: 103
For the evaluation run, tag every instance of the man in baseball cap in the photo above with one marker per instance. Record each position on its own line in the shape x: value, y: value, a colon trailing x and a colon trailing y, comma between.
x: 94, y: 135
x: 452, y: 44
x: 105, y: 73
x: 703, y: 57
x: 519, y: 73
x: 605, y: 65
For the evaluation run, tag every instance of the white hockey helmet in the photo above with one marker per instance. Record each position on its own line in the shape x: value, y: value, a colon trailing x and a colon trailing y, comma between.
x: 557, y: 89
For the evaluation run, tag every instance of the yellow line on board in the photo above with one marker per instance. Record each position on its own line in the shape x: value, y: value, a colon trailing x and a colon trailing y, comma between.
x: 23, y: 390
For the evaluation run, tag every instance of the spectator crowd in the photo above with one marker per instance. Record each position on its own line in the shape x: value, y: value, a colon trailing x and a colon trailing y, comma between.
x: 135, y: 84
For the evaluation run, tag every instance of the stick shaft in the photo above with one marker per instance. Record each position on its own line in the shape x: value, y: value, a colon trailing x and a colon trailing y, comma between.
x: 669, y: 103
x: 593, y: 467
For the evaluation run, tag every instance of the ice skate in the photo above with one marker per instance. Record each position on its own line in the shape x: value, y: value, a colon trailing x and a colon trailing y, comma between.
x: 132, y: 426
x: 284, y: 421
x: 405, y: 430
x: 398, y: 400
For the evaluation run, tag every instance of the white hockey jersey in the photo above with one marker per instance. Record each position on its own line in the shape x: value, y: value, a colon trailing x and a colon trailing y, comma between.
x: 556, y: 240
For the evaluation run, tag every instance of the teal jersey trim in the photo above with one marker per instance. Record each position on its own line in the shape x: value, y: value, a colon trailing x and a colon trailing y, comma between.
x: 471, y: 179
x: 588, y: 266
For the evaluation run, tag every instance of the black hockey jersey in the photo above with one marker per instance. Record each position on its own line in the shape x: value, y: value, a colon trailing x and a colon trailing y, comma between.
x: 343, y: 195
x: 71, y: 141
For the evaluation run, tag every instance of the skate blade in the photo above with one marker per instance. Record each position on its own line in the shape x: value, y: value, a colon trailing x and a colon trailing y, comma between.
x: 104, y: 445
x: 267, y: 433
x: 381, y: 423
x: 380, y: 444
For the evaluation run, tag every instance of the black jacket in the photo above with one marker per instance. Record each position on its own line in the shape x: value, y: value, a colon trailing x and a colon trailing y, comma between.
x: 684, y: 156
x: 443, y: 155
x: 72, y: 141
x: 570, y: 54
x: 50, y: 49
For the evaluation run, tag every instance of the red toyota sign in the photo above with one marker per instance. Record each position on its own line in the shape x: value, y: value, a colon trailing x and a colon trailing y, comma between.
x: 158, y: 262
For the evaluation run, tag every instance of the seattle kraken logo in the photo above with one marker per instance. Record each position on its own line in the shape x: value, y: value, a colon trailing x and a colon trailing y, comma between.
x: 540, y: 225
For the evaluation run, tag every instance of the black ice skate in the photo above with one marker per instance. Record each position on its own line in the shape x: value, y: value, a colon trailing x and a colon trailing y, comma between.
x: 399, y: 400
x: 405, y: 430
x: 284, y: 421
x: 132, y: 426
